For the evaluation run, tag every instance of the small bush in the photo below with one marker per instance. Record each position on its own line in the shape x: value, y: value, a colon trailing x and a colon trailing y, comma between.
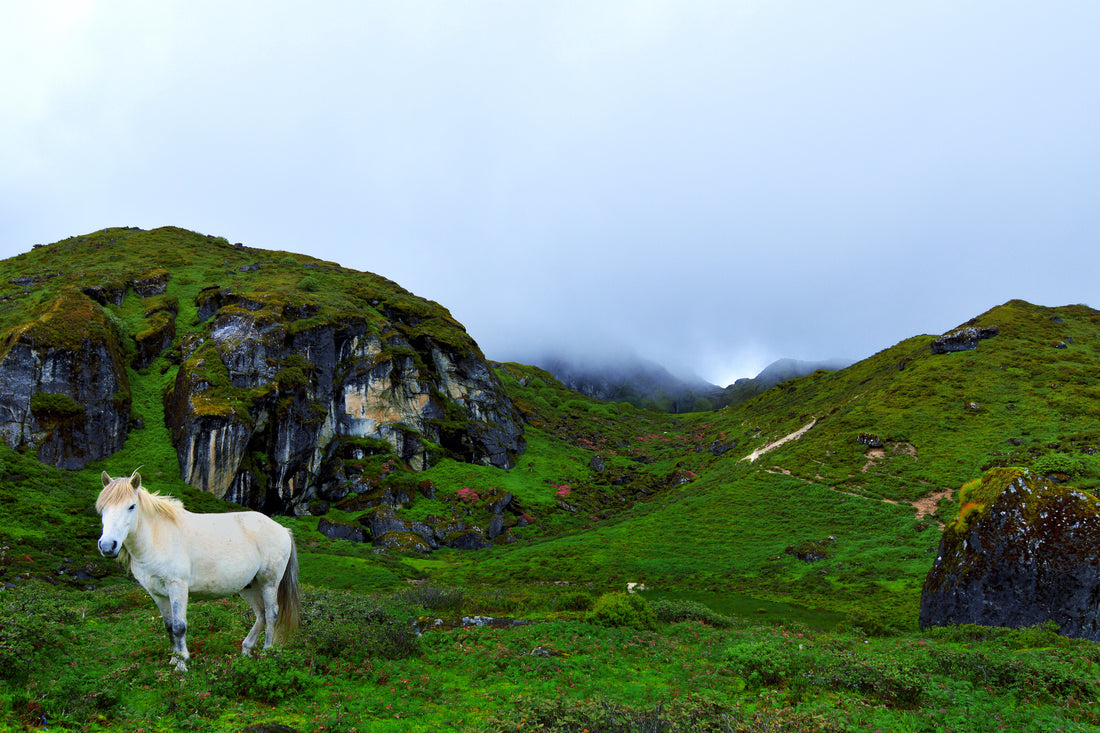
x: 275, y: 676
x: 573, y: 600
x: 33, y: 625
x: 766, y: 663
x: 344, y: 626
x: 622, y: 609
x: 310, y: 284
x: 671, y: 611
x: 434, y: 597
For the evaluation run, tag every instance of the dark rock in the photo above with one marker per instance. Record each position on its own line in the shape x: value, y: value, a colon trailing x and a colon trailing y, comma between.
x: 719, y: 448
x: 1021, y: 551
x: 597, y: 463
x: 427, y: 533
x: 63, y: 384
x: 496, y: 526
x: 154, y: 339
x: 811, y: 550
x: 1060, y: 344
x: 105, y: 295
x: 426, y: 488
x: 342, y: 530
x: 870, y: 440
x: 468, y: 539
x: 403, y: 542
x: 964, y: 339
x: 152, y: 283
x: 499, y: 505
x: 383, y: 519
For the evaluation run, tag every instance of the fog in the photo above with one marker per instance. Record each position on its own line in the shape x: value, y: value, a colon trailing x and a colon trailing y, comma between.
x: 708, y: 185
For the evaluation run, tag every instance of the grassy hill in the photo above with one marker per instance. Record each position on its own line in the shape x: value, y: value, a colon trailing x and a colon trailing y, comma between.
x: 783, y: 591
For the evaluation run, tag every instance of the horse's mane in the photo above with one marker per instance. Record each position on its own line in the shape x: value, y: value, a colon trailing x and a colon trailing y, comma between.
x: 120, y: 491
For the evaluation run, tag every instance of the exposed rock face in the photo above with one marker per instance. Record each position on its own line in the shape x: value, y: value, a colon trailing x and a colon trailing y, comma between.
x: 262, y: 406
x: 1021, y: 551
x: 63, y: 386
x: 964, y: 339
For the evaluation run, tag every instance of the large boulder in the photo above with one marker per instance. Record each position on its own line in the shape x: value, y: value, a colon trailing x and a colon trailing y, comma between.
x: 262, y: 404
x: 1021, y: 551
x: 963, y: 339
x: 63, y: 385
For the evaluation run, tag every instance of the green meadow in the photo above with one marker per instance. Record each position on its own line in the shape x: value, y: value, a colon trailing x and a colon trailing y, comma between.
x: 781, y: 593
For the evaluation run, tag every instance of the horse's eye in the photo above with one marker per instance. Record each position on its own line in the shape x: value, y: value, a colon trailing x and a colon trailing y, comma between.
x: 132, y: 507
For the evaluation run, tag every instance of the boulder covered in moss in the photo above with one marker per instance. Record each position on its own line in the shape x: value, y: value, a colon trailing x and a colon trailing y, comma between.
x: 63, y: 385
x: 963, y: 339
x: 1021, y: 551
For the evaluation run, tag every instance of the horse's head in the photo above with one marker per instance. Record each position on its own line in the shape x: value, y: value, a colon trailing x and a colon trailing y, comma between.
x: 118, y: 505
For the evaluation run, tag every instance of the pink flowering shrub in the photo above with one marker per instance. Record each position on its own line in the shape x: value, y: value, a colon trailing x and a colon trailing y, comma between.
x: 563, y: 491
x: 468, y: 495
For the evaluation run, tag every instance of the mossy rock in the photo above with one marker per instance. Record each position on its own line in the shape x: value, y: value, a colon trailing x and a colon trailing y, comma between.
x: 1021, y: 551
x: 56, y: 406
x: 407, y: 542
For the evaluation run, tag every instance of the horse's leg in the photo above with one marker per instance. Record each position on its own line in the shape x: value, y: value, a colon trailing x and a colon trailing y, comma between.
x: 271, y: 611
x: 177, y: 623
x: 252, y: 595
x: 166, y: 616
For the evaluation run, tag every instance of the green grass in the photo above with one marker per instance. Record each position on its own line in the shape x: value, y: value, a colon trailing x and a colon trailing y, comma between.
x: 773, y: 642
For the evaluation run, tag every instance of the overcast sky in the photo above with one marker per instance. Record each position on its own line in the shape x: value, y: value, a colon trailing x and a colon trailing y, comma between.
x: 711, y: 185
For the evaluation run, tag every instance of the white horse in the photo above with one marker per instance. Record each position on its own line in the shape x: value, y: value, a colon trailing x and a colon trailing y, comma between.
x: 173, y: 552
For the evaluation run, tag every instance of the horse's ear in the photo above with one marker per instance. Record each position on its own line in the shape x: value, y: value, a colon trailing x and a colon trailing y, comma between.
x: 106, y: 478
x: 135, y: 480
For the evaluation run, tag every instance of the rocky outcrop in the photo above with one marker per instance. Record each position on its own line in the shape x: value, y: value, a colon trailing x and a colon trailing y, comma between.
x: 963, y: 339
x: 263, y: 404
x: 1021, y: 551
x: 63, y: 385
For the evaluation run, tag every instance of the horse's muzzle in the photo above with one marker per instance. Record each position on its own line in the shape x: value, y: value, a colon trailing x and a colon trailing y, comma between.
x: 108, y: 548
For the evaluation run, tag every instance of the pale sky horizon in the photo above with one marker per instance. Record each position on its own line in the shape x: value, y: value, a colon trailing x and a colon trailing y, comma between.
x: 709, y: 185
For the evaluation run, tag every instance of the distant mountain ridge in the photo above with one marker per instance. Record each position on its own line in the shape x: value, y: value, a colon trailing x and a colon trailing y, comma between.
x: 775, y: 373
x: 647, y: 384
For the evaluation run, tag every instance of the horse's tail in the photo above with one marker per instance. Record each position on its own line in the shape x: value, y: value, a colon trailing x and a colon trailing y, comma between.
x: 289, y: 603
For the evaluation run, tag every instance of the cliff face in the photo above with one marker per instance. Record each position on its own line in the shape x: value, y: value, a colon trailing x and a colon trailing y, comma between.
x: 291, y: 372
x: 63, y: 385
x: 269, y: 403
x: 1021, y: 551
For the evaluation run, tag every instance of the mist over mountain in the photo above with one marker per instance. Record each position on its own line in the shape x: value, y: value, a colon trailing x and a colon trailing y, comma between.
x: 644, y: 383
x: 775, y: 373
x: 632, y: 379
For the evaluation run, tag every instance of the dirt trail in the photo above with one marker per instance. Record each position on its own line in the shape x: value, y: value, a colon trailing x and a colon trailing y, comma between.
x: 751, y: 458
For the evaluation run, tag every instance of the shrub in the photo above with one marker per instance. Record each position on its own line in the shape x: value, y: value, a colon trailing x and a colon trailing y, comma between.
x: 434, y: 597
x: 33, y: 625
x: 309, y: 284
x: 275, y: 676
x: 573, y: 600
x: 765, y: 663
x: 671, y: 611
x: 344, y: 626
x: 622, y: 609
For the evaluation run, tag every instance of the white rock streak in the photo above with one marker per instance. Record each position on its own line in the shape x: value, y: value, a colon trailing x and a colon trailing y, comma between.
x: 751, y: 458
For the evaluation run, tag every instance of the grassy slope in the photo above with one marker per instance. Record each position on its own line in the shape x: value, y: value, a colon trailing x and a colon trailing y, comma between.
x: 724, y: 531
